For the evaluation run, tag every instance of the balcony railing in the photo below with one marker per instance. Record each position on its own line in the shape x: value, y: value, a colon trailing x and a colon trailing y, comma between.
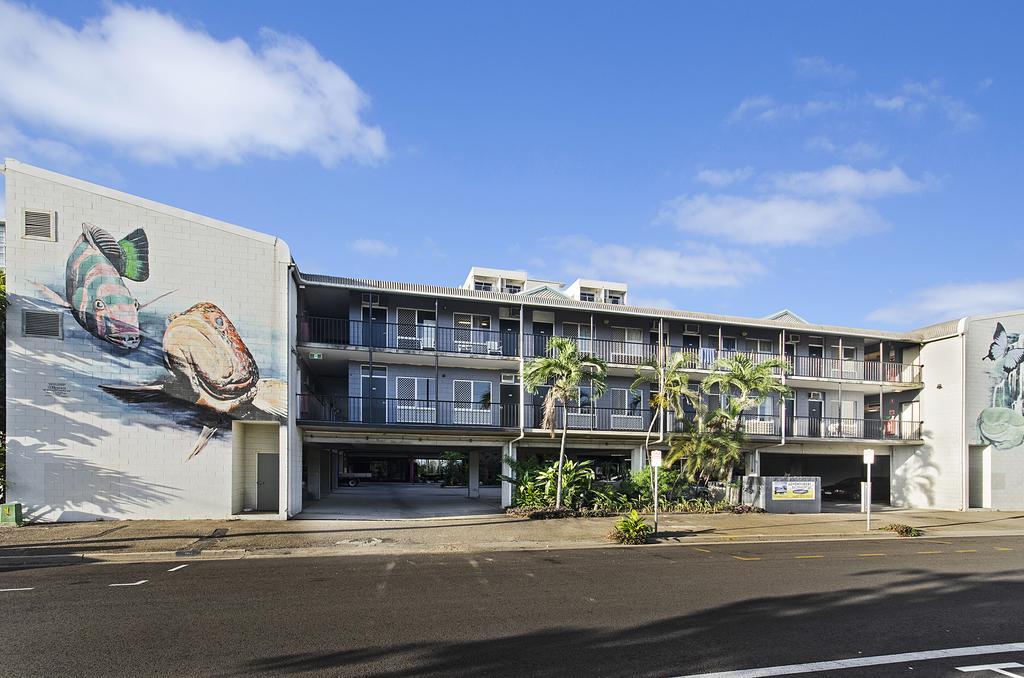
x: 611, y: 351
x: 406, y: 412
x: 826, y: 428
x: 592, y: 418
x: 408, y: 336
x: 465, y: 340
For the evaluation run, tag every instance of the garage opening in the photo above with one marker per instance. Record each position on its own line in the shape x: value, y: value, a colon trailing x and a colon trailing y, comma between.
x: 841, y: 476
x: 382, y: 482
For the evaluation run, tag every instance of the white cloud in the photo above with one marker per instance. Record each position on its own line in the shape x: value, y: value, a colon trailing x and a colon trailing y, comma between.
x: 691, y: 265
x: 719, y: 178
x: 951, y: 301
x: 844, y: 180
x: 770, y: 220
x: 985, y: 84
x: 373, y: 248
x: 766, y: 109
x: 144, y: 83
x: 819, y: 67
x: 858, y: 150
x: 916, y: 98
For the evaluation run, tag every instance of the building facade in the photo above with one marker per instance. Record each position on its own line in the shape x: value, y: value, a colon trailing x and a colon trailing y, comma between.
x: 184, y: 367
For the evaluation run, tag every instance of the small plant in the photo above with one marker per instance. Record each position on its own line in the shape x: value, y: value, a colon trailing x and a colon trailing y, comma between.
x: 902, y: 530
x: 631, y: 529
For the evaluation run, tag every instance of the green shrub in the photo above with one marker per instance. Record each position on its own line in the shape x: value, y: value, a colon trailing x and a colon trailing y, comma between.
x: 902, y: 530
x: 631, y: 529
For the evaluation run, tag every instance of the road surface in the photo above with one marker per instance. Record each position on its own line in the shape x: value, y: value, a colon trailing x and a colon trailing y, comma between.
x: 650, y: 611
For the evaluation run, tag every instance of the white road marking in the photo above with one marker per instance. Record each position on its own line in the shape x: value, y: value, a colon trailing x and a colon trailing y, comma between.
x: 474, y: 563
x: 179, y: 567
x: 134, y: 583
x: 29, y: 588
x: 859, y: 662
x: 390, y: 566
x: 994, y: 668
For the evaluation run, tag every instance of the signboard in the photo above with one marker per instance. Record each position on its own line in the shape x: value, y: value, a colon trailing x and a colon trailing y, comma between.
x: 784, y: 490
x: 316, y: 356
x: 869, y: 456
x: 655, y: 458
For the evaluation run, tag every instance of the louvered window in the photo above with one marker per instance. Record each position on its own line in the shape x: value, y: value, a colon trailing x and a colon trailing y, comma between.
x: 472, y: 395
x: 40, y: 225
x: 42, y: 324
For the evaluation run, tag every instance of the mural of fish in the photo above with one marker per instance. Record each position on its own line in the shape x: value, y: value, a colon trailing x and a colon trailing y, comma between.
x: 211, y: 367
x: 94, y: 287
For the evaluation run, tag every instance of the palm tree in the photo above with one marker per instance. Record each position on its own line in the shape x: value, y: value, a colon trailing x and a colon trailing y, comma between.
x: 673, y: 390
x: 563, y: 370
x: 707, y: 447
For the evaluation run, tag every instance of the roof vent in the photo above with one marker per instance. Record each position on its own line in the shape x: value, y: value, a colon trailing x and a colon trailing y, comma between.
x: 39, y: 225
x: 42, y: 324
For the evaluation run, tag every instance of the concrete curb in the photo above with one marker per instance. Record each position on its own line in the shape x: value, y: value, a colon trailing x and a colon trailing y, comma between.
x: 487, y: 547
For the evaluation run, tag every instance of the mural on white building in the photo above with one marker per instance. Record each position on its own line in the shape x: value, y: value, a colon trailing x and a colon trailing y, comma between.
x: 1001, y: 424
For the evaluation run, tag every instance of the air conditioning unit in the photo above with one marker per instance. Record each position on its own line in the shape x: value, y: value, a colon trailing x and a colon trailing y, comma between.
x: 792, y: 338
x: 510, y: 313
x: 691, y: 328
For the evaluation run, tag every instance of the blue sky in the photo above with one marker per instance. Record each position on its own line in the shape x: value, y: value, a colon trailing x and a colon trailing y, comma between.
x: 857, y: 163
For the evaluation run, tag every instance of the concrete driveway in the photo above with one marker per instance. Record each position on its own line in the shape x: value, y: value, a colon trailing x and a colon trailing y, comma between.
x: 403, y: 501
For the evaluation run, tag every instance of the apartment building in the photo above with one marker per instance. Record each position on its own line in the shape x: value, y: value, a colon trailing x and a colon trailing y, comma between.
x: 184, y: 367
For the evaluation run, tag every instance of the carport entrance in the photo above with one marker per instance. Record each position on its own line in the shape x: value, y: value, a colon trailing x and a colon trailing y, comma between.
x: 396, y: 482
x: 840, y: 475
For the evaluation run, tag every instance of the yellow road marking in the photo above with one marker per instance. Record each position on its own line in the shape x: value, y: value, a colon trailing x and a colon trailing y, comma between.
x: 701, y: 550
x: 803, y: 557
x: 927, y: 553
x: 870, y: 555
x: 744, y: 558
x: 1003, y: 548
x: 967, y: 550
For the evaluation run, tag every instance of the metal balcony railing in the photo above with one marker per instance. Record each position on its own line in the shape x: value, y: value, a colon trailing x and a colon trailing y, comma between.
x: 408, y: 336
x: 768, y: 425
x: 611, y: 351
x: 859, y: 370
x: 407, y: 412
x: 593, y: 418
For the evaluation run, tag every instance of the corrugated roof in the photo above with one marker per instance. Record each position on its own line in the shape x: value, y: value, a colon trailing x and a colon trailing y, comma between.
x: 939, y: 330
x: 365, y: 284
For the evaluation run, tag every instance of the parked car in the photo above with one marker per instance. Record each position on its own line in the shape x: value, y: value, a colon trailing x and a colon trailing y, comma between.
x: 848, y: 489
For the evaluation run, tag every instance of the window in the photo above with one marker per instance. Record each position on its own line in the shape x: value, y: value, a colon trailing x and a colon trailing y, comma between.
x: 480, y: 286
x: 728, y: 343
x: 513, y: 289
x: 583, y: 402
x: 412, y: 389
x: 763, y: 345
x: 579, y: 332
x: 416, y: 329
x: 586, y: 296
x: 471, y: 395
x: 626, y: 401
x: 613, y: 298
x: 472, y: 332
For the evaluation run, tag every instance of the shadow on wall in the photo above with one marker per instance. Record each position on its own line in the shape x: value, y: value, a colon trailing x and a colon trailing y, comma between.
x: 914, y: 480
x: 695, y: 642
x: 76, y: 489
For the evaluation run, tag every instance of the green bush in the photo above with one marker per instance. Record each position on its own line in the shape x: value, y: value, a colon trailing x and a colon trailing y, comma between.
x: 631, y: 529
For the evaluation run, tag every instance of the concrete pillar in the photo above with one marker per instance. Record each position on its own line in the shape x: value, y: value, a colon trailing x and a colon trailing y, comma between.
x: 636, y: 460
x: 754, y: 463
x: 311, y: 457
x: 474, y: 474
x: 334, y: 471
x: 509, y: 451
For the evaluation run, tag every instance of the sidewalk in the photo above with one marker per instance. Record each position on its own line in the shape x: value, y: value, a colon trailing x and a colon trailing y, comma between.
x: 145, y: 539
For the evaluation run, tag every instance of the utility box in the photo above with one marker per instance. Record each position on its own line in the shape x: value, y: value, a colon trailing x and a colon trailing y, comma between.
x: 783, y: 494
x: 10, y: 514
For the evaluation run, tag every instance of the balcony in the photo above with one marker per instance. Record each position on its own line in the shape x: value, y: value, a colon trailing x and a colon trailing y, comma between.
x: 408, y: 337
x: 361, y: 411
x: 612, y: 351
x: 825, y: 428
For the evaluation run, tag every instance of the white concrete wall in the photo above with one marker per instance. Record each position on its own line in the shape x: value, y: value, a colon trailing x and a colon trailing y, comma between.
x: 932, y: 475
x: 77, y: 452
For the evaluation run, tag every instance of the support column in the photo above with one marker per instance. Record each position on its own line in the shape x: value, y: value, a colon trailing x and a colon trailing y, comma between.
x: 334, y: 470
x: 636, y: 460
x: 474, y: 474
x: 311, y: 459
x: 509, y: 451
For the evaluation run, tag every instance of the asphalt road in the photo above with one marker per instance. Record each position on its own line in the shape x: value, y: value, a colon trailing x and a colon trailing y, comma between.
x: 653, y: 611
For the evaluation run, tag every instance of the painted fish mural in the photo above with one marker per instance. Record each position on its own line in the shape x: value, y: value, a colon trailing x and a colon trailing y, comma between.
x: 211, y: 367
x: 94, y: 287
